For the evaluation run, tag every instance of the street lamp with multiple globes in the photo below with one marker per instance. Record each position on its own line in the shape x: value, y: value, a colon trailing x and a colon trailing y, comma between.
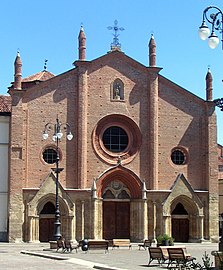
x: 57, y: 127
x: 214, y: 16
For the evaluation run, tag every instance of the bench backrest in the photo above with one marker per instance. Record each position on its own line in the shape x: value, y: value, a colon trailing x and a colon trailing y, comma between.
x: 148, y: 242
x: 121, y: 241
x: 68, y: 244
x: 98, y: 244
x: 60, y: 243
x: 155, y: 253
x: 176, y: 253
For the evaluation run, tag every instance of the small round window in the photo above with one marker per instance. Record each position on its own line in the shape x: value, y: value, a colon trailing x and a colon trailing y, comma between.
x: 115, y: 139
x: 178, y: 157
x: 50, y: 155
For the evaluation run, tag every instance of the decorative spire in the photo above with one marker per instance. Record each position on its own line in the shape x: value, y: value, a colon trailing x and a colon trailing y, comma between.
x: 152, y: 52
x: 82, y: 44
x: 115, y: 45
x: 144, y: 197
x: 94, y: 189
x: 209, y: 87
x: 18, y: 72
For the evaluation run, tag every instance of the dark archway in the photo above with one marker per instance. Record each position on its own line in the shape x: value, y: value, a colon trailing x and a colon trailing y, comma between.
x: 46, y: 222
x: 180, y: 223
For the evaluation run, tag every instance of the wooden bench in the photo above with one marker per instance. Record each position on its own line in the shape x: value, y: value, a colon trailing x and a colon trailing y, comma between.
x: 121, y: 243
x: 69, y: 246
x: 156, y: 253
x: 60, y: 245
x: 179, y: 258
x: 66, y: 245
x: 98, y: 244
x: 147, y: 243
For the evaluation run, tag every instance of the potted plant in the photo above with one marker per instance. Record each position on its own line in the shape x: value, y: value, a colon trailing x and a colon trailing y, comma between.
x: 164, y: 240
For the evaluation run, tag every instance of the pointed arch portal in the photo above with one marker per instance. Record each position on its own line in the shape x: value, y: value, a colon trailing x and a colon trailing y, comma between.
x: 46, y: 222
x: 180, y: 223
x: 118, y: 187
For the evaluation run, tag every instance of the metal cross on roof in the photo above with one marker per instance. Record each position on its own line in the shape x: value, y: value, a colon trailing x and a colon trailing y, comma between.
x: 45, y: 64
x: 115, y: 44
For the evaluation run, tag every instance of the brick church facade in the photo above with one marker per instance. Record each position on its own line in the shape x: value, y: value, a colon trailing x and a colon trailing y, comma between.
x: 143, y: 160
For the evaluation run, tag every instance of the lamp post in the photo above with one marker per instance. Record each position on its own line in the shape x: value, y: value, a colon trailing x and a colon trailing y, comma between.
x: 56, y: 138
x: 214, y: 16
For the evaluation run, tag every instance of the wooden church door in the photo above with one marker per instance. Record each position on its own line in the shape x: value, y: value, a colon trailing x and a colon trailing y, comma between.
x: 116, y: 220
x: 46, y: 222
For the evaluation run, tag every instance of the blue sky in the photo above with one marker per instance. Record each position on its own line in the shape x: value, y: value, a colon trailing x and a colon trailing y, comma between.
x: 49, y: 30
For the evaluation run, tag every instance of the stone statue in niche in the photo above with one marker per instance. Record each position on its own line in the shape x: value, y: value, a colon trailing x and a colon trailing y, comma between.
x: 117, y: 90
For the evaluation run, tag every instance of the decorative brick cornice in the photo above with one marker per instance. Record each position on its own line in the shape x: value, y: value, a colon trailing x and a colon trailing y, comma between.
x: 5, y: 104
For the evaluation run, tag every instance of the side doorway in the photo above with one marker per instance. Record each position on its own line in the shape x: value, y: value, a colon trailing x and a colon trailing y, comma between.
x: 46, y: 222
x: 180, y: 224
x: 180, y: 229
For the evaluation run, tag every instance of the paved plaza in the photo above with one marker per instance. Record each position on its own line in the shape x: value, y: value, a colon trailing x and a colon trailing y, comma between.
x: 39, y: 256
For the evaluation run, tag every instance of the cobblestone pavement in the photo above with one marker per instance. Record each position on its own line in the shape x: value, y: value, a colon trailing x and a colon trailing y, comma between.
x: 39, y: 256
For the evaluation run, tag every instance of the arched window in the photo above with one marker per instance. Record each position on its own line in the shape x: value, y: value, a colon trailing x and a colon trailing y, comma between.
x: 117, y: 90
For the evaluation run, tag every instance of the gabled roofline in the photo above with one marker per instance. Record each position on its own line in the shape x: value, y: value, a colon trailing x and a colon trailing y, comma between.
x: 164, y: 80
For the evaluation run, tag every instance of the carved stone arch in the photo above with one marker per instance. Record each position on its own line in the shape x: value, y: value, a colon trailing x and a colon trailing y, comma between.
x: 190, y: 199
x: 64, y: 208
x: 189, y: 205
x: 116, y: 190
x: 130, y: 180
x: 117, y: 90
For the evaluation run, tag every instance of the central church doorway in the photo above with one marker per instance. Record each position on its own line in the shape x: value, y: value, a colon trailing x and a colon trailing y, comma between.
x: 116, y: 211
x: 116, y: 220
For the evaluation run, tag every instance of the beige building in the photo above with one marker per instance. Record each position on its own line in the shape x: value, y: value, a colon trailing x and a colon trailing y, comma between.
x: 5, y: 111
x: 143, y: 160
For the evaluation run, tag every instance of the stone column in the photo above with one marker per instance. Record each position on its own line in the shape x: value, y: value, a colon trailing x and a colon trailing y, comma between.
x: 73, y: 224
x: 154, y: 221
x: 201, y: 228
x: 30, y: 229
x: 34, y: 229
x: 93, y: 219
x: 144, y: 219
x: 96, y: 228
x: 165, y: 226
x: 82, y: 220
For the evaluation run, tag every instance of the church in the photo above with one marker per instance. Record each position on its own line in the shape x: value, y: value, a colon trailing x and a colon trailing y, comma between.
x: 142, y: 160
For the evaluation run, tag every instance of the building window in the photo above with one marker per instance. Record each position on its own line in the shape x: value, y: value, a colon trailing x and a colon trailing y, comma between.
x: 50, y: 155
x: 178, y: 157
x: 117, y: 90
x: 115, y: 139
